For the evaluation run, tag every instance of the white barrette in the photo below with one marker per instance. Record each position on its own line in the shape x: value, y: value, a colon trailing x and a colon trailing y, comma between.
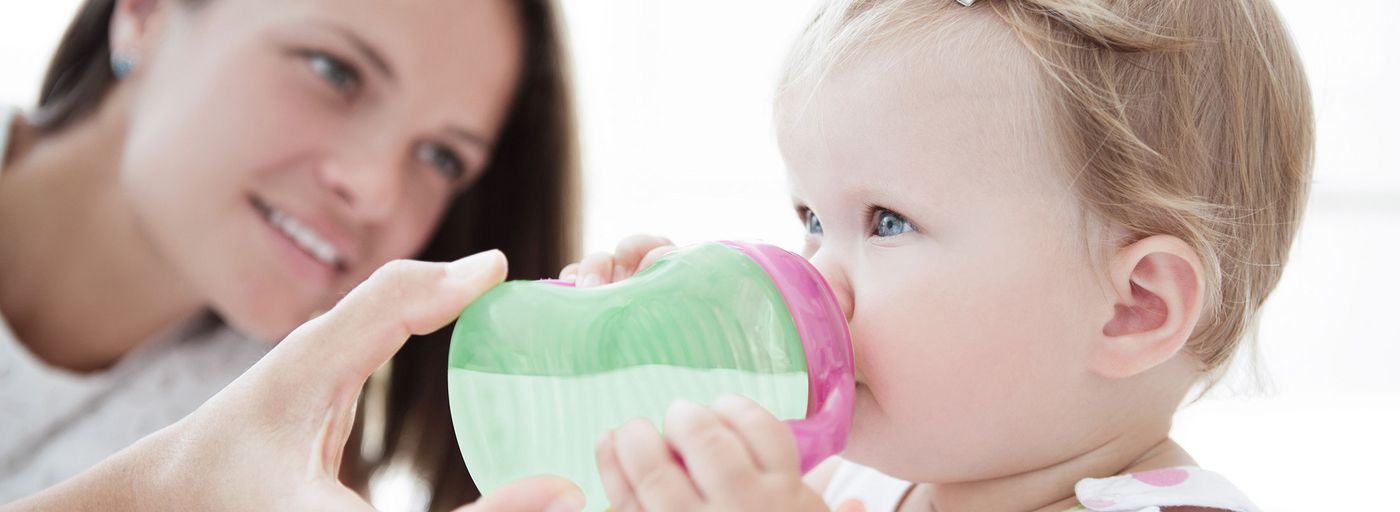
x: 966, y: 3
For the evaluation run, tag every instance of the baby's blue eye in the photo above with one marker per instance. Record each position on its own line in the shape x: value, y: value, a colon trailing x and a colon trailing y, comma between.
x: 814, y: 225
x: 888, y: 224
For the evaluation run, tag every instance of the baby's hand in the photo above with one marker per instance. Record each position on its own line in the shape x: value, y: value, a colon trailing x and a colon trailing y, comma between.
x: 737, y: 457
x: 633, y: 254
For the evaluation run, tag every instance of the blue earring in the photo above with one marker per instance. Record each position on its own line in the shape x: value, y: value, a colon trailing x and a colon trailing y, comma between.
x: 122, y: 66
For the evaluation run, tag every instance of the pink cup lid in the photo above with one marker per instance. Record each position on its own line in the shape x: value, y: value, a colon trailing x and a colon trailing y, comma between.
x: 826, y: 340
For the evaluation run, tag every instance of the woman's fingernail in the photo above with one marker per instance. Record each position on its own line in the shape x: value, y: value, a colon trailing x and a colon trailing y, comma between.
x: 570, y: 501
x: 472, y: 266
x: 619, y: 273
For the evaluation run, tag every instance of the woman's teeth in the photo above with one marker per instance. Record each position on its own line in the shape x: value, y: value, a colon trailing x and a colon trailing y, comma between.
x: 304, y: 237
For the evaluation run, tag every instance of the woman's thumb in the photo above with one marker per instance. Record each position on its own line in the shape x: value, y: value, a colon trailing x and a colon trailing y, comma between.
x: 538, y: 494
x: 373, y: 321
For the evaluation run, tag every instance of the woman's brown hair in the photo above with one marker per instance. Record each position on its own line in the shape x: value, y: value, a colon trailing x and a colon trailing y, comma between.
x: 525, y: 204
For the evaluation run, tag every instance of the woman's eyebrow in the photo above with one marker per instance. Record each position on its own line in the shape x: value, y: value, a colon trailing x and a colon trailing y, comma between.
x: 366, y: 50
x: 377, y: 60
x: 470, y: 136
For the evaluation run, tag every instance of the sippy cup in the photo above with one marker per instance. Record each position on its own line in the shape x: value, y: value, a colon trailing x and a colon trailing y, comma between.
x: 538, y: 370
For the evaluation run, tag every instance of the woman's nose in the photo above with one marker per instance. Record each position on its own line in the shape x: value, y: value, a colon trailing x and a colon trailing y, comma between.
x: 367, y: 179
x: 827, y: 265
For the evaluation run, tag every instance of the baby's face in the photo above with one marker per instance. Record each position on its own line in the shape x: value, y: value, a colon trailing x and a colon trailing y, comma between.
x: 938, y: 210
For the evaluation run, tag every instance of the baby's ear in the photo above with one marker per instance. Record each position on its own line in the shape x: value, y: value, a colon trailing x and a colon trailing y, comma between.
x: 1159, y: 290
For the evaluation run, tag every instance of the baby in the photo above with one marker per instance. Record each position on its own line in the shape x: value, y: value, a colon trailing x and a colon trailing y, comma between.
x: 1047, y: 221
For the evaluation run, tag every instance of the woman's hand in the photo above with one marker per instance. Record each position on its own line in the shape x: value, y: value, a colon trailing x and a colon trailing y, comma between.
x: 273, y: 439
x: 633, y: 254
x: 737, y: 456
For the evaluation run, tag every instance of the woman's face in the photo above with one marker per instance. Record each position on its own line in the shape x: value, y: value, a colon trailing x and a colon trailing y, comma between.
x: 279, y: 151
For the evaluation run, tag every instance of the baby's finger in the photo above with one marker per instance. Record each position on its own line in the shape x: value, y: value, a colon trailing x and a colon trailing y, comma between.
x: 549, y: 493
x: 714, y: 455
x: 653, y: 255
x: 851, y: 505
x: 621, y: 497
x: 632, y: 250
x: 769, y: 441
x: 658, y: 481
x: 596, y: 269
x: 569, y: 273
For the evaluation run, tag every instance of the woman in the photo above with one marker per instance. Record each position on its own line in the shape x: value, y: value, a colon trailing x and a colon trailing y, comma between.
x: 250, y: 161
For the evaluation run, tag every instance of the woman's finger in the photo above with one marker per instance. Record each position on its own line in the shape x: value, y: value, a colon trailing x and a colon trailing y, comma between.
x: 659, y: 482
x: 621, y: 497
x: 768, y: 440
x: 344, y: 346
x: 714, y: 455
x: 594, y: 270
x: 630, y: 252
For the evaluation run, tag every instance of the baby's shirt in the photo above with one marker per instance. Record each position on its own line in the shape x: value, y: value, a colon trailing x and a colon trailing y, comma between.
x: 1148, y: 491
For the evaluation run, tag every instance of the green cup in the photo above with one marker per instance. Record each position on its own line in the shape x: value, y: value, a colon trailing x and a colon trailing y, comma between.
x: 539, y: 370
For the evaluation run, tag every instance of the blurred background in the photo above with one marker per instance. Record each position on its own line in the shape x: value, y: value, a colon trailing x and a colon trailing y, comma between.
x: 674, y: 107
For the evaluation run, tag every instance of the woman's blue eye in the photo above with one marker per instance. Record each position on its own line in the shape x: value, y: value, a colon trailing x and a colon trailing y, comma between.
x: 443, y: 160
x: 336, y: 72
x: 814, y: 225
x: 888, y: 224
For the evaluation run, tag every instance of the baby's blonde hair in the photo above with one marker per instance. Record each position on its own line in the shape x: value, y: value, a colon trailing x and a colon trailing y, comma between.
x: 1189, y: 118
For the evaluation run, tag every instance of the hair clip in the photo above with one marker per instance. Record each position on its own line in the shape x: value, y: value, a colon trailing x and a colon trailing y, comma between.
x: 966, y: 3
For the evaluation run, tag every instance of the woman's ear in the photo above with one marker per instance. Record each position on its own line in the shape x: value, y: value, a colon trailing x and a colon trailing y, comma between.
x: 1159, y: 289
x: 135, y: 24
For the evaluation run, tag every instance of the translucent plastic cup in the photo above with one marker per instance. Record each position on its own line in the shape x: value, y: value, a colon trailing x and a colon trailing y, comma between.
x: 539, y: 370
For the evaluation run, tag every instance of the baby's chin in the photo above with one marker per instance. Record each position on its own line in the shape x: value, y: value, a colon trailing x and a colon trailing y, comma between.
x: 869, y: 452
x: 877, y: 442
x: 897, y: 460
x: 868, y: 422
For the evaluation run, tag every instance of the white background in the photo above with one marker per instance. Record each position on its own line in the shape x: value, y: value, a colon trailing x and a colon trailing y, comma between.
x: 675, y: 119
